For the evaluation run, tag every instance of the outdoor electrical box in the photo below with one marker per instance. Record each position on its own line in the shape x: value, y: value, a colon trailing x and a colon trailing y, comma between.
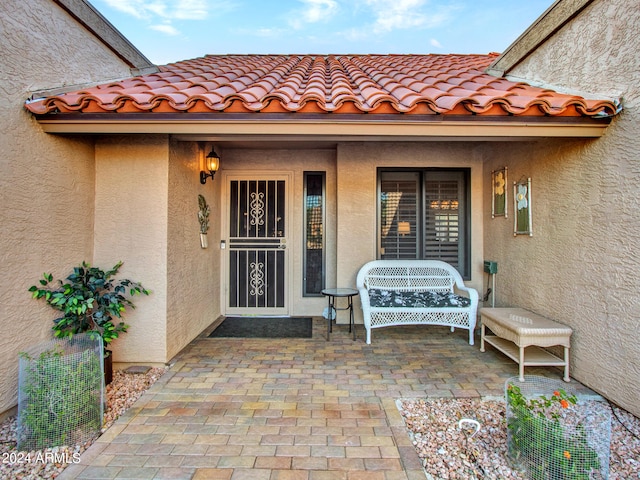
x: 490, y: 267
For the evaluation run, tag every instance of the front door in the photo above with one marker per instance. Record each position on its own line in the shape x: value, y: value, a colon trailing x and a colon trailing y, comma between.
x: 257, y: 254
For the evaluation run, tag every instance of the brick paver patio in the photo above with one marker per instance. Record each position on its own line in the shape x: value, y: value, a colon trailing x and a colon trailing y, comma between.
x: 293, y: 409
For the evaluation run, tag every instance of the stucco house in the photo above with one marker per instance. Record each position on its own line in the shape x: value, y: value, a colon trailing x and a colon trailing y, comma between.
x: 326, y: 162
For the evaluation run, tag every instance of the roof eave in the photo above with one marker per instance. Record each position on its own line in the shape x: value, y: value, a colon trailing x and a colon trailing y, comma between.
x: 334, y: 127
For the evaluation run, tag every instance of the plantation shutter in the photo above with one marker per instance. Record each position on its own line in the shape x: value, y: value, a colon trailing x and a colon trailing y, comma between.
x: 424, y: 214
x: 399, y: 197
x: 444, y: 218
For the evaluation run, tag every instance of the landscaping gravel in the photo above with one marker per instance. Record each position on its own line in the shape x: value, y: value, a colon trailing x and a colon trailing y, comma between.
x: 121, y: 393
x: 447, y: 453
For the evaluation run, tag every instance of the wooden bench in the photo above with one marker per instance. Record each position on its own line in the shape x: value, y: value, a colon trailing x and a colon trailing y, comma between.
x: 415, y: 292
x: 519, y: 334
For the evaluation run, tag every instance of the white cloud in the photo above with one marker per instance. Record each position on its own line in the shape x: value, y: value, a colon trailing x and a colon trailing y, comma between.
x: 314, y: 11
x: 165, y: 28
x: 405, y: 14
x: 435, y: 43
x: 190, y: 10
x: 132, y: 7
x: 319, y: 10
x: 164, y: 9
x: 159, y: 14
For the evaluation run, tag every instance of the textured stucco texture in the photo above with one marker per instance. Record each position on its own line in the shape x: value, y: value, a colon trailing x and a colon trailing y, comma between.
x: 47, y: 182
x: 582, y: 265
x: 193, y: 282
x: 131, y: 226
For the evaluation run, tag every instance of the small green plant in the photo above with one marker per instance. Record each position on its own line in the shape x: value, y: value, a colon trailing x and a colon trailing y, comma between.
x: 90, y: 300
x: 540, y: 441
x: 60, y: 398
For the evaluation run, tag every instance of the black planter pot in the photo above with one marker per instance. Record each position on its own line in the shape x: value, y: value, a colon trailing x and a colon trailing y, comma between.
x: 108, y: 367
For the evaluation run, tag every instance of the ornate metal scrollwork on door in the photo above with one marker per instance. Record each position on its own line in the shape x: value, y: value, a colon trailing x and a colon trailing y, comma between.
x: 257, y: 208
x: 257, y: 278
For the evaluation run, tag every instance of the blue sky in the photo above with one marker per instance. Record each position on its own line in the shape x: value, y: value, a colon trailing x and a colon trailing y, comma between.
x: 171, y: 30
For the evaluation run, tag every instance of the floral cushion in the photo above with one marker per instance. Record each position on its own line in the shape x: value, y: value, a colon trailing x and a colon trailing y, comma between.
x: 394, y: 298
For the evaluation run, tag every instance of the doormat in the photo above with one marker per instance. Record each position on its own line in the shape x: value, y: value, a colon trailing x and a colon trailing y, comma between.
x: 264, y: 327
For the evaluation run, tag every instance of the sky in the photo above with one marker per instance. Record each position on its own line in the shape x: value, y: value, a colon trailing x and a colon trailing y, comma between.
x: 167, y: 31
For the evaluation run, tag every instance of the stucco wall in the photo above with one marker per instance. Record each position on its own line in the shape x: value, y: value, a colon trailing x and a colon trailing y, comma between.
x: 43, y: 48
x: 582, y: 266
x: 193, y: 283
x: 595, y: 54
x: 131, y: 204
x: 46, y: 182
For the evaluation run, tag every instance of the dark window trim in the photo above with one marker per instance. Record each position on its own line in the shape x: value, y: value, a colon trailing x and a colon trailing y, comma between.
x: 304, y: 232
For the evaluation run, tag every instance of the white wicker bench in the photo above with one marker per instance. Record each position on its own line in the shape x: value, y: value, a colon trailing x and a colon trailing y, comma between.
x: 415, y: 292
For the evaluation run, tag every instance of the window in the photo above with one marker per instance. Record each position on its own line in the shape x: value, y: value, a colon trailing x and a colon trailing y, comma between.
x: 314, y: 237
x: 399, y: 194
x: 424, y: 214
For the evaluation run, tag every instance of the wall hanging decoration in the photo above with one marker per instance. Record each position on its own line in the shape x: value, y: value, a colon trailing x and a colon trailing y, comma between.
x: 499, y: 193
x: 522, y: 206
x: 203, y: 218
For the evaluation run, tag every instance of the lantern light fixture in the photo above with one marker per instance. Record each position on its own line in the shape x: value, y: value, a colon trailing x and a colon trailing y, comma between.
x: 210, y: 164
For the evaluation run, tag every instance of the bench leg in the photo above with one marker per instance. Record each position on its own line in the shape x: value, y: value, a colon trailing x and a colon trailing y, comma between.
x: 566, y: 365
x: 482, y: 337
x: 521, y: 364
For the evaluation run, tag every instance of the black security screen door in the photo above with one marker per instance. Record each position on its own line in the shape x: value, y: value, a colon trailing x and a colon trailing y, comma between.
x: 257, y: 246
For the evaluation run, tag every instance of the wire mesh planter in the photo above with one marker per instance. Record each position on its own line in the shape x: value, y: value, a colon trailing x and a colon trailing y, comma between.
x: 60, y: 393
x: 553, y: 435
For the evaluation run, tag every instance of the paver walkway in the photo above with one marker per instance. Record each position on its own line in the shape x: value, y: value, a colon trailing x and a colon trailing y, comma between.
x: 293, y: 409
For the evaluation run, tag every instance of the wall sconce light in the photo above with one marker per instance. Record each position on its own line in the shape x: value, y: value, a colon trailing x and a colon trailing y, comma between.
x: 404, y: 228
x: 210, y: 164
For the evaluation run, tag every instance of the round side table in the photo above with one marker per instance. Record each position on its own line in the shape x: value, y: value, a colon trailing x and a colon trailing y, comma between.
x: 332, y: 294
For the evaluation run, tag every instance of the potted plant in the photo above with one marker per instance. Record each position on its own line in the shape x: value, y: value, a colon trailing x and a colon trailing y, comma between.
x: 91, y: 301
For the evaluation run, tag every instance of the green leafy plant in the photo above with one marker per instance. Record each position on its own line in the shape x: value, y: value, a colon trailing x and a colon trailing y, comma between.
x: 90, y: 300
x: 60, y: 399
x: 542, y: 443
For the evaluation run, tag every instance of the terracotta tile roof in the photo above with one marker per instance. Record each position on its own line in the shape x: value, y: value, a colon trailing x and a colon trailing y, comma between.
x: 373, y: 84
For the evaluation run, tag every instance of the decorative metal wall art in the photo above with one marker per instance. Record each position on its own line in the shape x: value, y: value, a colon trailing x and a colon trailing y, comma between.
x: 522, y: 207
x: 203, y: 218
x: 499, y: 193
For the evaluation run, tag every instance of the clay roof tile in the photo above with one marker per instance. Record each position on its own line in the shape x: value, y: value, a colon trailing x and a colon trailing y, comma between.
x: 441, y: 84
